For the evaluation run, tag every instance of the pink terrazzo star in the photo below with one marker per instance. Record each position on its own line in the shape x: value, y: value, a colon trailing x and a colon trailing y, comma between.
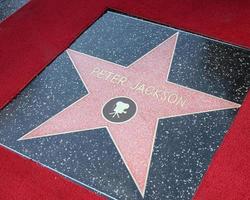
x: 145, y: 82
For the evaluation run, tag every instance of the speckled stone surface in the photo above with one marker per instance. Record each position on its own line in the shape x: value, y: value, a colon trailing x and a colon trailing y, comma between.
x: 184, y: 145
x: 8, y: 7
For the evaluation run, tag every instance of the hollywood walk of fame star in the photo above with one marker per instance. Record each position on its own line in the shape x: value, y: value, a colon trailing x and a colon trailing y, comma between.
x: 145, y: 83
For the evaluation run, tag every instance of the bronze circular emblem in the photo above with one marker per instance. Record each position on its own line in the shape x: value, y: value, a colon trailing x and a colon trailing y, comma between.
x: 119, y: 109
